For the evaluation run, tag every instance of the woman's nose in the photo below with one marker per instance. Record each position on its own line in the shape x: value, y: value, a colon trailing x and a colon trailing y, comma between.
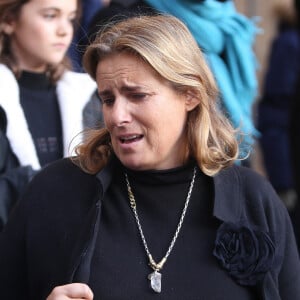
x: 65, y: 27
x: 120, y: 113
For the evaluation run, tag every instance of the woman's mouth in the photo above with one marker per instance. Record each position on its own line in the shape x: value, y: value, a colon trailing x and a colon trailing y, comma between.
x: 131, y: 138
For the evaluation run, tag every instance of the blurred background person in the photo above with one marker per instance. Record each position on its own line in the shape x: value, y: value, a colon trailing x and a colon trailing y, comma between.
x: 274, y: 107
x: 295, y: 140
x: 88, y: 9
x: 278, y: 115
x: 43, y: 100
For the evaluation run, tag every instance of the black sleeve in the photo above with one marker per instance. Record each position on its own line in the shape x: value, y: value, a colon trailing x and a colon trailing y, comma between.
x: 13, y: 277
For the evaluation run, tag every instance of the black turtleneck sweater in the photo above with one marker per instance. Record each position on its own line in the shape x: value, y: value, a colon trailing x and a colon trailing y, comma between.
x: 120, y: 265
x: 39, y: 102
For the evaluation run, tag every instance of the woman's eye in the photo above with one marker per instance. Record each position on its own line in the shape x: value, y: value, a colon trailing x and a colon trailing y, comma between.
x: 49, y: 16
x: 108, y: 101
x: 72, y: 19
x: 138, y: 96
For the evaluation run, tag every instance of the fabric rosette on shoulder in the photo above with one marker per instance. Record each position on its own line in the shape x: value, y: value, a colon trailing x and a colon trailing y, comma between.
x: 246, y: 253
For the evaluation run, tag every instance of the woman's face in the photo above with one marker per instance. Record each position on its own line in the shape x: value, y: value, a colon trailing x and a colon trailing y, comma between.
x: 146, y: 118
x: 42, y: 32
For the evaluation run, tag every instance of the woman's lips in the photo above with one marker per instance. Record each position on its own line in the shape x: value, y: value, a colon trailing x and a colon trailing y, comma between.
x: 130, y: 138
x: 59, y: 46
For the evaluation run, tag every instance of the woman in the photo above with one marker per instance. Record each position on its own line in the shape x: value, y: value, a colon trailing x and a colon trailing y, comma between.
x: 152, y: 206
x: 43, y: 101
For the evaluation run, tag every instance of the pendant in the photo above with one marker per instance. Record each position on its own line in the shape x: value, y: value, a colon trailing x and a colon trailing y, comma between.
x: 155, y: 279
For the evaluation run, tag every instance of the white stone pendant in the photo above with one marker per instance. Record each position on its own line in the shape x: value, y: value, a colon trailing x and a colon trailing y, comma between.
x: 155, y: 279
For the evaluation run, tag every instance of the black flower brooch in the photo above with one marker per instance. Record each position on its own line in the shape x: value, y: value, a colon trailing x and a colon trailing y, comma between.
x: 246, y: 254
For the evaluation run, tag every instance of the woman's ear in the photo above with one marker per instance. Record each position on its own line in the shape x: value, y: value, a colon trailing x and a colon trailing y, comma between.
x: 7, y: 28
x: 191, y: 100
x: 8, y: 25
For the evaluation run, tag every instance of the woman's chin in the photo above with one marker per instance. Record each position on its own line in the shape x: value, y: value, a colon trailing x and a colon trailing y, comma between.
x: 134, y: 164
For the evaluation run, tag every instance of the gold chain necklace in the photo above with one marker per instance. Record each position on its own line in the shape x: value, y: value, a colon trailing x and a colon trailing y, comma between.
x: 155, y: 277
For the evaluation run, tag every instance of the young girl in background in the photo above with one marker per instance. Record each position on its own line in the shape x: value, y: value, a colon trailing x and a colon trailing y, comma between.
x: 42, y: 99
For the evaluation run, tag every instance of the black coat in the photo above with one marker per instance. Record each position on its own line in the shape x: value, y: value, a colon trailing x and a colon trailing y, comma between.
x: 13, y: 178
x: 50, y: 236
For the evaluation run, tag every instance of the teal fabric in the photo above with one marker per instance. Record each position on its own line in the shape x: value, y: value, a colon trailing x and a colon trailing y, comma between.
x: 220, y: 30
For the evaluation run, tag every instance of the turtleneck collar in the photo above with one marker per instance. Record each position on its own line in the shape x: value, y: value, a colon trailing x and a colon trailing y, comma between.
x: 33, y: 80
x: 160, y: 177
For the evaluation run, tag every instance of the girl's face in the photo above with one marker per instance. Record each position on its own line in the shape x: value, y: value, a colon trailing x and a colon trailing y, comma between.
x: 42, y: 32
x: 146, y: 118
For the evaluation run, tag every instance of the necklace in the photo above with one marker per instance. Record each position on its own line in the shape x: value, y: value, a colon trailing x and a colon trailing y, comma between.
x: 155, y: 277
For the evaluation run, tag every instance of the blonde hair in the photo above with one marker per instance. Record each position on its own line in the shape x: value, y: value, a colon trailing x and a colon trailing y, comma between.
x: 11, y: 9
x: 166, y: 44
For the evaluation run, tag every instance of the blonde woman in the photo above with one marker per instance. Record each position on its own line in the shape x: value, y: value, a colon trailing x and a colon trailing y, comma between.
x: 152, y: 206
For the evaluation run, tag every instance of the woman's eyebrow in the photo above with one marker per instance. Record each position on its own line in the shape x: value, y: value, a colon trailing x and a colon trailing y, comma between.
x: 104, y: 93
x: 127, y: 88
x: 56, y: 9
